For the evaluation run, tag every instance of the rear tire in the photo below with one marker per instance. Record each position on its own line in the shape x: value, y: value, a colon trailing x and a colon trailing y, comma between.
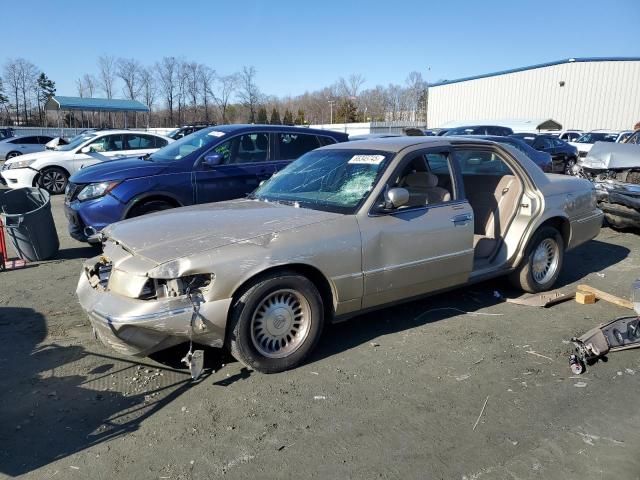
x: 13, y: 155
x: 54, y: 180
x: 150, y: 206
x: 276, y: 322
x: 542, y: 262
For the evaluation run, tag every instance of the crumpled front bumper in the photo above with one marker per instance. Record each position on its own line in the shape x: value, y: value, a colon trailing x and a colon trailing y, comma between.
x: 141, y: 327
x: 620, y: 202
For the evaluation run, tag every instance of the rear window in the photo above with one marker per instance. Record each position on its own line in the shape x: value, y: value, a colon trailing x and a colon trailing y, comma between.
x: 326, y: 140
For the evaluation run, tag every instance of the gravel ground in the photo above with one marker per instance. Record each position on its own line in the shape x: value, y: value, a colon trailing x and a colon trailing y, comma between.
x: 391, y: 394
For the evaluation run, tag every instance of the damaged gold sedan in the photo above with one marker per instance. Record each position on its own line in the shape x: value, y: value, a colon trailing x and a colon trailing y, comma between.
x: 344, y: 229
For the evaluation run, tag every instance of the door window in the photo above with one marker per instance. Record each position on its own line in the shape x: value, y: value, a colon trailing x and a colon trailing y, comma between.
x: 294, y: 145
x: 43, y: 140
x: 481, y: 162
x: 249, y: 148
x: 108, y: 143
x: 139, y: 142
x: 160, y: 142
x: 427, y: 178
x: 635, y: 138
x: 28, y: 141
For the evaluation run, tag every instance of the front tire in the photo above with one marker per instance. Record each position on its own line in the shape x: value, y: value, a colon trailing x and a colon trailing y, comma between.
x: 53, y: 180
x: 276, y: 322
x: 543, y: 260
x: 13, y: 155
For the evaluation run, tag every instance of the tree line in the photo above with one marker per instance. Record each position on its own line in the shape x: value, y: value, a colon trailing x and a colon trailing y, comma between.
x: 179, y: 91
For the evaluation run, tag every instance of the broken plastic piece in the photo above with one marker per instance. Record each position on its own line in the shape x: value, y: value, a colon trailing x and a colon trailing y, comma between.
x: 194, y: 360
x: 620, y: 334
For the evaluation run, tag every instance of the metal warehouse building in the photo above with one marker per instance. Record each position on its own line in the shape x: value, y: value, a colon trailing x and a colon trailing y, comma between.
x: 582, y: 93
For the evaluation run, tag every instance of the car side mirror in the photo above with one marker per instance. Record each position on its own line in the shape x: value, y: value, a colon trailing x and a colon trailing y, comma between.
x: 395, y: 198
x: 212, y: 159
x: 87, y: 149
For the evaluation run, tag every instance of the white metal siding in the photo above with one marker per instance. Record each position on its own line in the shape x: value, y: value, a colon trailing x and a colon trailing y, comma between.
x: 602, y: 94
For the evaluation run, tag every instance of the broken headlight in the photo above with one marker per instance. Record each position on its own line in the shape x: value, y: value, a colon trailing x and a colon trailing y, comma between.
x: 157, y: 288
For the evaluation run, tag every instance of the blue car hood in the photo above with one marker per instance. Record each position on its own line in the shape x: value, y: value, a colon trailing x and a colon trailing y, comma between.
x: 118, y: 170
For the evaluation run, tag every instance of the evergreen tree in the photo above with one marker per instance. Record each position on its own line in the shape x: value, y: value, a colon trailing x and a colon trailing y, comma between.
x: 46, y: 88
x: 275, y: 117
x: 347, y: 112
x: 300, y: 117
x: 288, y: 118
x: 262, y: 116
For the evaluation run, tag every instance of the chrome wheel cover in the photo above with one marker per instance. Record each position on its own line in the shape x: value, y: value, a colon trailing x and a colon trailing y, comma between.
x: 280, y: 323
x: 545, y: 260
x: 53, y: 181
x: 13, y: 155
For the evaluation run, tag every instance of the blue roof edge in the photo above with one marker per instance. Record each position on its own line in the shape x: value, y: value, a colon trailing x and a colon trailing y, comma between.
x: 539, y: 65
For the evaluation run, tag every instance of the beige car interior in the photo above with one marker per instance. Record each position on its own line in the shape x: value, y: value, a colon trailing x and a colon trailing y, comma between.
x: 491, y: 188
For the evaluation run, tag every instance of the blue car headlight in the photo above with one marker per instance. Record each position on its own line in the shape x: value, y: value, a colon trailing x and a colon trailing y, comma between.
x: 95, y: 190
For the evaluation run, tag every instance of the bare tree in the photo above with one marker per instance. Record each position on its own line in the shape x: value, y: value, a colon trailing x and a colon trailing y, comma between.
x: 167, y: 73
x: 225, y: 88
x: 80, y: 87
x: 107, y: 75
x: 12, y: 79
x: 181, y: 90
x: 192, y: 72
x: 148, y: 86
x: 350, y: 87
x: 249, y: 93
x: 416, y: 91
x: 89, y: 83
x: 206, y: 78
x: 28, y: 76
x: 128, y: 69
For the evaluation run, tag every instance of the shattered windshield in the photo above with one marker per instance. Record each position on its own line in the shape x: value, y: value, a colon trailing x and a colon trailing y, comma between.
x: 330, y: 180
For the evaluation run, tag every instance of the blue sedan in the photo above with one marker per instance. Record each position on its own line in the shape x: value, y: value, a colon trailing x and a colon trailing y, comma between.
x: 210, y: 165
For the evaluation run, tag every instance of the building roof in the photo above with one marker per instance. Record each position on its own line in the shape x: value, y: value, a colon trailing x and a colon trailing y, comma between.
x: 94, y: 104
x: 539, y: 65
x: 518, y: 125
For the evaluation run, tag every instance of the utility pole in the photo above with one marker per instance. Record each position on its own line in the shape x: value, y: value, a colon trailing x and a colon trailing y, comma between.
x: 331, y: 102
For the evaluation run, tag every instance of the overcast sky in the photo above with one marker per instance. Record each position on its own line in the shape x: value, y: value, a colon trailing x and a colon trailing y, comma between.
x: 302, y: 45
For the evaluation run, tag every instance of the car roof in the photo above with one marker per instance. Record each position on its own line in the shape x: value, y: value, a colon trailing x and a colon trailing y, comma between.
x: 252, y: 127
x: 396, y: 144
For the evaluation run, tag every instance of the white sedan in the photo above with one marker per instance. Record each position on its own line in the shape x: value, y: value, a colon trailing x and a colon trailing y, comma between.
x: 51, y: 169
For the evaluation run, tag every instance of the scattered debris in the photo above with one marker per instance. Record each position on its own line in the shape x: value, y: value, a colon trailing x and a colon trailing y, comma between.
x: 478, y: 361
x: 319, y: 397
x: 601, y: 275
x: 374, y: 344
x: 580, y: 384
x: 539, y: 355
x: 607, y: 297
x: 623, y: 333
x: 461, y: 378
x: 481, y: 412
x: 543, y: 300
x: 585, y: 298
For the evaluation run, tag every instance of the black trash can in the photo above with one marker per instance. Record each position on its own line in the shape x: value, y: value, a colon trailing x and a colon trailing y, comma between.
x: 28, y: 223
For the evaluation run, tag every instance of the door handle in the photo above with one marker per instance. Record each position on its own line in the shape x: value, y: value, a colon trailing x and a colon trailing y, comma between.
x: 462, y: 218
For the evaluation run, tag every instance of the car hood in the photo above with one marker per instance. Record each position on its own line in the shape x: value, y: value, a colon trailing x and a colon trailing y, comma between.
x: 181, y: 232
x: 582, y: 147
x: 606, y: 155
x: 43, y: 155
x: 120, y: 169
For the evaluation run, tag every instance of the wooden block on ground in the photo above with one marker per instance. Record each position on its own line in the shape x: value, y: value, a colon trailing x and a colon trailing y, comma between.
x: 607, y: 297
x: 585, y: 298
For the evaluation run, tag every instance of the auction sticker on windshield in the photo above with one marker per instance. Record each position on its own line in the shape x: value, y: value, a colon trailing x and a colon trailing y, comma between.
x: 366, y: 159
x: 216, y: 133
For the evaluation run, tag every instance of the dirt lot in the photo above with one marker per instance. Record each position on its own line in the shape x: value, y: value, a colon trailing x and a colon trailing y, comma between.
x: 393, y: 394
